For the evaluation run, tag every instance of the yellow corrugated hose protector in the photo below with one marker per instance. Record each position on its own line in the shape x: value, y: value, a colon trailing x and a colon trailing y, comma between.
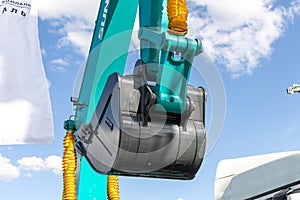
x: 177, y: 15
x: 69, y: 167
x: 113, y: 188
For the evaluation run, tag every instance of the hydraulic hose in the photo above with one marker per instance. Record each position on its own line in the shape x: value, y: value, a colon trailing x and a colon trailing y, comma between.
x: 177, y: 15
x: 113, y: 188
x: 69, y: 167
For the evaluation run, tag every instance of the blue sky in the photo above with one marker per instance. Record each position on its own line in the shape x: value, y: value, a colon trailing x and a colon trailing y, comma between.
x: 256, y: 50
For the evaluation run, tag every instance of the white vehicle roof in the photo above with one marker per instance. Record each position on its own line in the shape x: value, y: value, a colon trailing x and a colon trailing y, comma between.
x: 257, y: 177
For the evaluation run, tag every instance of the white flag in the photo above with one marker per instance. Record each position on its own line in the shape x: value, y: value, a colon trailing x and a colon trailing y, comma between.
x: 25, y: 109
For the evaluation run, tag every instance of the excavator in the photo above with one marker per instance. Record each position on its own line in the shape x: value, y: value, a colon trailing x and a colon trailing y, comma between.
x: 150, y: 123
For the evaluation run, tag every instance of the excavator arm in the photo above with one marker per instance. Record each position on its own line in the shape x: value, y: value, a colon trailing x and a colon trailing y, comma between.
x: 150, y: 123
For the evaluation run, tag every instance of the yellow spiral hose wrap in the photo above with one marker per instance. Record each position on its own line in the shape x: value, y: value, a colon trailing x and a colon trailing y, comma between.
x: 69, y: 167
x: 177, y: 15
x: 113, y: 188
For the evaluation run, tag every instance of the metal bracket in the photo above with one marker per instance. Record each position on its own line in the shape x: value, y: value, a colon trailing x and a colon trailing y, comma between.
x: 173, y: 73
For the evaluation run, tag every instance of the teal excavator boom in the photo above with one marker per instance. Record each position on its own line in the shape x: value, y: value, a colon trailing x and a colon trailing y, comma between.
x: 149, y: 123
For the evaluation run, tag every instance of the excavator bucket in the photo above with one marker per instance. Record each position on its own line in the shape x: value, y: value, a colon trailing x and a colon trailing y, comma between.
x: 130, y: 134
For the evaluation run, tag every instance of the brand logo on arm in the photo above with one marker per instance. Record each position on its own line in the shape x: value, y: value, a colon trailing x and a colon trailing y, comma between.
x: 14, y: 8
x: 104, y: 15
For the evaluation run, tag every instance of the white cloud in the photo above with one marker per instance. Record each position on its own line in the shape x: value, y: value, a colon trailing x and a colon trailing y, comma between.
x: 79, y: 38
x: 43, y: 52
x: 238, y: 38
x: 59, y: 65
x: 28, y: 175
x: 180, y: 198
x: 236, y: 33
x: 57, y: 9
x: 73, y: 20
x: 31, y: 163
x: 60, y: 61
x: 9, y: 148
x: 53, y: 163
x: 295, y: 8
x: 58, y: 68
x: 7, y: 170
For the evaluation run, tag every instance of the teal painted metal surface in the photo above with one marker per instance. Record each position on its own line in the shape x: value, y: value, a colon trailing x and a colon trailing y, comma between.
x: 90, y: 185
x: 151, y: 16
x: 69, y: 125
x: 173, y: 73
x: 158, y: 49
x: 113, y: 26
